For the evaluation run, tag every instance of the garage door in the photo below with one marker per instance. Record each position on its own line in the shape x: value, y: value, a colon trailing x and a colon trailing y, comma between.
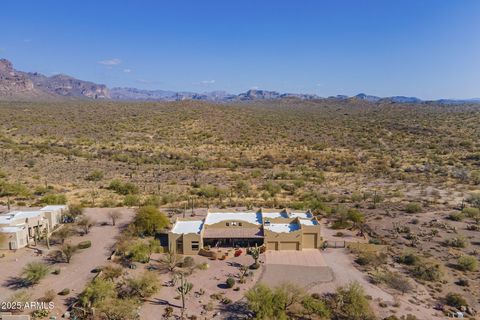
x: 309, y: 240
x: 272, y: 245
x: 288, y: 245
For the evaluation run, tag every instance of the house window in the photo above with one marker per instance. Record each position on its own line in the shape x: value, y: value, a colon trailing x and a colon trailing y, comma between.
x: 239, y: 224
x: 195, y: 245
x: 228, y: 224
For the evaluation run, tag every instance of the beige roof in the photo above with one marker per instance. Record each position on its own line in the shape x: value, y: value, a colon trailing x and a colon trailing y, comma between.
x: 233, y: 232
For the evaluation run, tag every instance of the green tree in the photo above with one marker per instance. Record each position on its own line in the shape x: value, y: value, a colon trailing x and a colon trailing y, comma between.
x: 316, y: 307
x: 75, y: 210
x: 118, y: 309
x: 97, y: 291
x: 63, y: 233
x: 143, y: 286
x: 149, y: 220
x: 85, y: 223
x: 265, y: 303
x: 350, y: 303
x: 115, y: 216
x: 67, y: 251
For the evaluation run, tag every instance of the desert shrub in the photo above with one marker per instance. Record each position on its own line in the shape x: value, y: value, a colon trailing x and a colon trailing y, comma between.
x: 230, y: 282
x: 410, y: 259
x: 456, y: 242
x: 95, y: 175
x: 474, y: 199
x: 149, y: 220
x: 39, y: 314
x: 468, y: 263
x: 350, y: 303
x: 188, y: 262
x: 75, y: 210
x: 271, y: 188
x: 473, y: 227
x: 123, y: 188
x: 111, y: 272
x: 203, y: 266
x: 108, y: 203
x: 96, y: 292
x: 115, y: 308
x: 14, y: 189
x: 33, y: 272
x: 64, y: 292
x: 427, y: 271
x: 455, y: 300
x: 84, y: 244
x: 267, y: 303
x: 139, y: 251
x: 372, y: 259
x: 48, y: 296
x: 53, y: 199
x: 394, y: 280
x: 143, y: 286
x: 413, y: 207
x: 131, y: 200
x: 471, y: 212
x: 315, y: 306
x: 456, y: 216
x: 153, y: 200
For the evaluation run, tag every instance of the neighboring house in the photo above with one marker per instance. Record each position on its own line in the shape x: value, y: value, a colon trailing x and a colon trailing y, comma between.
x: 20, y: 228
x: 283, y: 230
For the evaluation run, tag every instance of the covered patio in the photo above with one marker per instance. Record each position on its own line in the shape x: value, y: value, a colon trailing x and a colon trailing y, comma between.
x: 233, y: 237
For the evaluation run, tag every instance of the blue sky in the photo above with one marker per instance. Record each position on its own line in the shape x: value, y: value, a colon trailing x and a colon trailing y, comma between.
x: 424, y: 48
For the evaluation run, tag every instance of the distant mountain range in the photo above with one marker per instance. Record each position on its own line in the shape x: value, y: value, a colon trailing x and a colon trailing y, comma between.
x: 18, y: 85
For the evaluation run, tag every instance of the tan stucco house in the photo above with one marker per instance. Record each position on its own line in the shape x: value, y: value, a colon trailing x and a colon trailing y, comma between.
x: 284, y: 230
x: 19, y: 228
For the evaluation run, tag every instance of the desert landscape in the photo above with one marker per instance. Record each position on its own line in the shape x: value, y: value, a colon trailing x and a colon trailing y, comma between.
x: 237, y: 160
x: 372, y: 173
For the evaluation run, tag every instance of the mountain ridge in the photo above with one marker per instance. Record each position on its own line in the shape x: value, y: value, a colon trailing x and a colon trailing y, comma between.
x: 19, y: 85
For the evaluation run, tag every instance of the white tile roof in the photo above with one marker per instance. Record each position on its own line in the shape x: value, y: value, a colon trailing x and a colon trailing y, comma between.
x: 308, y: 222
x: 273, y: 215
x: 251, y: 217
x: 282, y: 227
x: 301, y: 215
x: 183, y: 227
x: 283, y: 214
x: 54, y: 208
x: 18, y: 215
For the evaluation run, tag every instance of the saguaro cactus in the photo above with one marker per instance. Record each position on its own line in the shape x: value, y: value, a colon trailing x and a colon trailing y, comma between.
x: 184, y: 288
x: 255, y: 253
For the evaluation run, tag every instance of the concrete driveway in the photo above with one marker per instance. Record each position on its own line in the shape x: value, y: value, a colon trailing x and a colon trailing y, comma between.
x: 306, y: 258
x: 305, y: 268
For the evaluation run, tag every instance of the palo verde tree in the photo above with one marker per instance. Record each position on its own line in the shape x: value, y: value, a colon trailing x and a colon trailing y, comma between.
x: 149, y: 220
